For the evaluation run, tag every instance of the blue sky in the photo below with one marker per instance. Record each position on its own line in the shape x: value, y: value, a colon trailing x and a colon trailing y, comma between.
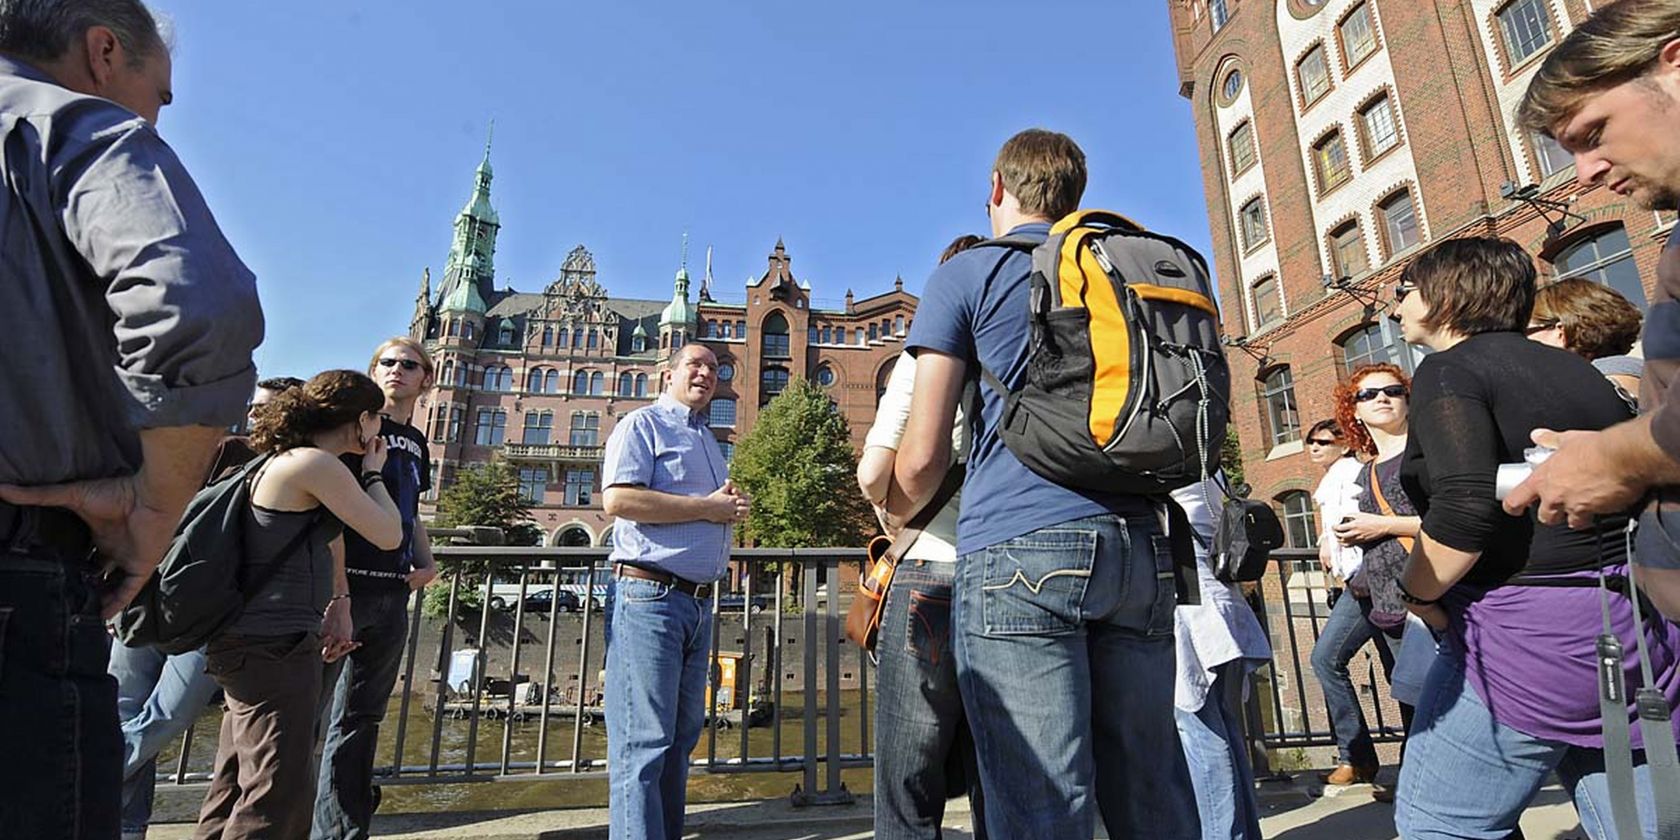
x: 336, y: 140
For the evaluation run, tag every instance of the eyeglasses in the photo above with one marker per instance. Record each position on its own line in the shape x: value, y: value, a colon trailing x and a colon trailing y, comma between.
x: 1401, y: 291
x: 1322, y: 442
x: 1368, y: 394
x: 406, y: 364
x: 1540, y: 326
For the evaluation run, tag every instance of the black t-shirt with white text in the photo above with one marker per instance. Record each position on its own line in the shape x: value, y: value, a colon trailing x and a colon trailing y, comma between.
x: 408, y: 471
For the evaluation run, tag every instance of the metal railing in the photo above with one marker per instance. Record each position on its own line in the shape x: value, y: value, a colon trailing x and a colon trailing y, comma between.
x: 439, y: 741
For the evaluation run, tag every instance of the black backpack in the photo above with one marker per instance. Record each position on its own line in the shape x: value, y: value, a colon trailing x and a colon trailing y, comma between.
x: 1249, y: 531
x: 197, y: 591
x: 1127, y: 389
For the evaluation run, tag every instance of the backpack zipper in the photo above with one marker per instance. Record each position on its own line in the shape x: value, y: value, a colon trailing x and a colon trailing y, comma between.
x: 1131, y: 296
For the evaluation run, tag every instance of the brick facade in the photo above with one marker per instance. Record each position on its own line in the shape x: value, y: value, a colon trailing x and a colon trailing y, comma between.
x: 1445, y: 67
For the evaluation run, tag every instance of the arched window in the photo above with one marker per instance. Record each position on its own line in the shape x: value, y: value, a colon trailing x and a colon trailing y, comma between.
x: 728, y: 330
x: 1300, y: 524
x: 1376, y: 343
x: 641, y: 384
x: 898, y: 325
x: 597, y: 384
x: 711, y: 329
x: 827, y: 334
x: 577, y: 339
x: 539, y: 425
x: 625, y: 382
x: 506, y: 334
x: 775, y: 340
x: 467, y: 330
x: 594, y: 338
x: 533, y: 380
x: 551, y: 381
x: 548, y: 335
x: 564, y: 333
x: 498, y: 378
x: 573, y: 537
x: 882, y: 377
x: 452, y: 327
x: 580, y: 382
x: 1278, y: 407
x: 1605, y: 257
x: 448, y: 377
x: 638, y: 343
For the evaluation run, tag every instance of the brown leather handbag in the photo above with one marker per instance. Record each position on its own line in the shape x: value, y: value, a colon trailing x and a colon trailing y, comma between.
x: 863, y: 620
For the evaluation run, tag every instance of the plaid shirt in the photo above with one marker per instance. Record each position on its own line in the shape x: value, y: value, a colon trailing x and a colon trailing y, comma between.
x: 668, y: 448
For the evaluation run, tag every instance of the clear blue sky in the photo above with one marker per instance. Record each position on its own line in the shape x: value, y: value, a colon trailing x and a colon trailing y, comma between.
x: 336, y: 140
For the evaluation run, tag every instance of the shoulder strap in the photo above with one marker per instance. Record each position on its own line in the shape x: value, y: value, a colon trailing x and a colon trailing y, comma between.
x: 913, y: 529
x: 1383, y: 505
x: 267, y: 574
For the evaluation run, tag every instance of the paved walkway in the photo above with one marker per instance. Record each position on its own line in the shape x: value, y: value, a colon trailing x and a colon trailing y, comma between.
x: 1292, y: 812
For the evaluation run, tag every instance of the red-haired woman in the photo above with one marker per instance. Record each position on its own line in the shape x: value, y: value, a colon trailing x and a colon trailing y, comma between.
x: 1372, y: 409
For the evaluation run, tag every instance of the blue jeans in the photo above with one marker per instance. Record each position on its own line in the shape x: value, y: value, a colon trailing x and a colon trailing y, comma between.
x: 158, y: 698
x: 1218, y: 756
x: 1467, y: 776
x: 360, y: 689
x: 62, y: 775
x: 658, y: 641
x: 1065, y: 657
x: 1347, y: 630
x: 920, y: 732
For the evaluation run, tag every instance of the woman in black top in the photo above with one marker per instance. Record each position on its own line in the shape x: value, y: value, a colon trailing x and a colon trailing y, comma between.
x: 1512, y: 695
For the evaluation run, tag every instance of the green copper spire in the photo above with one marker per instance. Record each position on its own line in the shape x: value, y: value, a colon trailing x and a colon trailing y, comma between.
x: 680, y: 311
x: 473, y: 248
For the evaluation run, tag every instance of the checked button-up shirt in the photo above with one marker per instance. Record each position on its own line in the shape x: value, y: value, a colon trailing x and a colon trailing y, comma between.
x: 668, y: 448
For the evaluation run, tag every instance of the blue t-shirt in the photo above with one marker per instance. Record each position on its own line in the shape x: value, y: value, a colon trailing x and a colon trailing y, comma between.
x: 960, y: 315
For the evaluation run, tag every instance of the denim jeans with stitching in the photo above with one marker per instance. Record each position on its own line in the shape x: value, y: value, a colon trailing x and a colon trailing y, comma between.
x: 1347, y: 630
x: 159, y: 696
x: 1065, y: 657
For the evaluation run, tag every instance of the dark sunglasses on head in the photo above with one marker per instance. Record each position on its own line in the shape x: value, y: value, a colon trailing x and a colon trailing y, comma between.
x: 407, y: 364
x: 1539, y: 326
x: 1322, y: 441
x: 1401, y: 291
x: 1368, y: 394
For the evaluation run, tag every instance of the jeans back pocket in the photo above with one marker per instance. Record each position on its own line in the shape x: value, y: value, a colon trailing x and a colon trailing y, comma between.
x: 1035, y: 585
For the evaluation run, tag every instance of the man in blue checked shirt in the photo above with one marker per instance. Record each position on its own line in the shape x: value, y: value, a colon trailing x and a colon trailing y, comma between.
x: 668, y: 485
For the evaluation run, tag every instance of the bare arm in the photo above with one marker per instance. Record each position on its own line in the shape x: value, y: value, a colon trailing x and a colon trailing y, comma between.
x: 369, y: 512
x: 1431, y: 571
x: 425, y: 567
x: 875, y: 473
x: 652, y: 507
x: 924, y: 455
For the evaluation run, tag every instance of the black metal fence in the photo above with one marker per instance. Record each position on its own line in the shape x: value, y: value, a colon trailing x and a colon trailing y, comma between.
x: 466, y: 713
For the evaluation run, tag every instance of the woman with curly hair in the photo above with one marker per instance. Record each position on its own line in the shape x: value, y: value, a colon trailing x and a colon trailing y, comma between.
x: 269, y: 660
x: 1371, y: 407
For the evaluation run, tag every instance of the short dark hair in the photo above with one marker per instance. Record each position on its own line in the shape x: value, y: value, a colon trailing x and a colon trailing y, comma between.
x: 1330, y: 425
x: 1474, y: 285
x: 42, y: 30
x: 277, y: 384
x: 959, y: 245
x: 1044, y: 170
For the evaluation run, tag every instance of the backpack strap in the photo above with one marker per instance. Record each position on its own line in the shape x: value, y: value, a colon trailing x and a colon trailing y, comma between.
x: 262, y: 579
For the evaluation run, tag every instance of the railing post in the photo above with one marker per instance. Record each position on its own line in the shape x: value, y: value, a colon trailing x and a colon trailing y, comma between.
x: 806, y: 794
x: 834, y: 792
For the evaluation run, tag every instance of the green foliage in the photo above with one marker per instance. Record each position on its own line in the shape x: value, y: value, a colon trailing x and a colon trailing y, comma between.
x: 434, y: 602
x: 487, y: 495
x: 798, y: 466
x: 1230, y: 456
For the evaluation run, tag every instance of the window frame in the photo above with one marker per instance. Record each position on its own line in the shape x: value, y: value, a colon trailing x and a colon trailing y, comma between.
x: 1308, y: 98
x: 1386, y: 228
x: 1278, y: 431
x: 1349, y: 62
x: 1320, y: 160
x: 1254, y: 293
x: 1259, y: 231
x: 1502, y: 26
x: 1303, y: 516
x: 1238, y: 168
x: 1335, y: 246
x: 1385, y: 99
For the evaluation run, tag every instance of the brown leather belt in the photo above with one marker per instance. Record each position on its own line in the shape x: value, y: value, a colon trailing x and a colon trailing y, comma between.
x: 687, y: 587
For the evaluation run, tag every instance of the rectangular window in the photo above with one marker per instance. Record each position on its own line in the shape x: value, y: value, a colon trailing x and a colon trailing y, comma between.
x: 586, y: 429
x: 492, y: 425
x: 1527, y: 29
x: 1359, y: 38
x: 1268, y: 305
x: 457, y: 417
x: 1315, y: 76
x: 532, y: 481
x: 1218, y: 13
x: 1378, y: 122
x: 1399, y: 222
x: 1347, y: 251
x: 722, y: 413
x: 580, y: 488
x: 1283, y: 420
x: 1242, y: 148
x: 1254, y: 223
x: 1330, y: 161
x: 1549, y: 155
x: 538, y: 427
x: 776, y: 345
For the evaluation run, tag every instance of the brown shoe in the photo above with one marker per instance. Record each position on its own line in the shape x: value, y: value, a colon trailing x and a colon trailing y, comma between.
x: 1347, y: 774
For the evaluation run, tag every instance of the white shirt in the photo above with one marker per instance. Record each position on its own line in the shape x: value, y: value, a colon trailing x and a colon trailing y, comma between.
x: 1222, y: 627
x: 1338, y: 496
x: 938, y: 541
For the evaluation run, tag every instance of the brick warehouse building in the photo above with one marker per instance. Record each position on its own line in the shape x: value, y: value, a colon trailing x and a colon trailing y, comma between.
x: 1339, y: 137
x: 539, y: 379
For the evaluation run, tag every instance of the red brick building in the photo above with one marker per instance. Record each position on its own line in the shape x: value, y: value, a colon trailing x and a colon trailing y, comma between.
x: 539, y: 379
x: 1337, y: 138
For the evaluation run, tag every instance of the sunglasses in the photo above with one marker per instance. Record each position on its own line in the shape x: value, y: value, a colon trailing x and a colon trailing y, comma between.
x: 1322, y: 442
x: 1401, y: 291
x: 1541, y: 326
x: 1368, y: 394
x: 405, y: 364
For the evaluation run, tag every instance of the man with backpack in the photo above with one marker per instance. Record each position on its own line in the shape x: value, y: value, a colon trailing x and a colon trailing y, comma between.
x: 1063, y: 600
x: 357, y: 689
x: 129, y: 326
